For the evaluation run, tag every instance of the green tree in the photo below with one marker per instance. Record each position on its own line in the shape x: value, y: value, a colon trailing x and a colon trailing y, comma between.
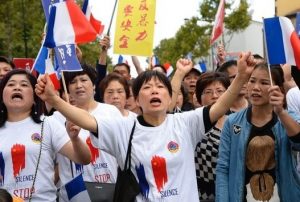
x: 19, y: 24
x: 194, y: 35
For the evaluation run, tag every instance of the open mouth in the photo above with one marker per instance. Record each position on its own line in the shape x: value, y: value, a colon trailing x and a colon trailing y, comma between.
x: 155, y: 101
x: 17, y: 96
x: 255, y: 96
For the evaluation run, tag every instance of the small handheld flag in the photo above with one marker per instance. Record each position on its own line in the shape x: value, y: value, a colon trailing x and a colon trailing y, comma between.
x: 68, y: 25
x: 67, y: 59
x: 169, y: 69
x: 43, y: 64
x: 282, y: 42
x: 219, y: 21
x: 75, y: 190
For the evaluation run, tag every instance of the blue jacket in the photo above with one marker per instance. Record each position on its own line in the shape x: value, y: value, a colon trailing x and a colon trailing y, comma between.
x: 230, y: 169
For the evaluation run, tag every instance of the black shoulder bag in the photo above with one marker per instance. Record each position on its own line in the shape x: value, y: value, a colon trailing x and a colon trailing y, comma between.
x: 127, y: 187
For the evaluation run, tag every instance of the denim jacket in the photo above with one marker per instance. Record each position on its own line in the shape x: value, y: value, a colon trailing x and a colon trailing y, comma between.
x: 230, y: 171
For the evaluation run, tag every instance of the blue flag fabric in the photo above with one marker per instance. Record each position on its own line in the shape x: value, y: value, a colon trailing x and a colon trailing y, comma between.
x: 46, y: 6
x: 66, y: 58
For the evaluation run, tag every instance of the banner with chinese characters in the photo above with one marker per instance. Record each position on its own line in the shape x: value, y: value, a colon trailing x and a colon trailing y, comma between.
x: 135, y: 27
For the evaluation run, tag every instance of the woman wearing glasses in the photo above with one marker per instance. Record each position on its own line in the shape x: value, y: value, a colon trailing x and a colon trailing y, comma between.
x: 210, y: 86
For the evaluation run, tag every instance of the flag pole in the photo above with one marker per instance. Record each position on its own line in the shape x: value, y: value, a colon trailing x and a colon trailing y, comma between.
x: 266, y: 51
x: 111, y: 18
x: 65, y: 87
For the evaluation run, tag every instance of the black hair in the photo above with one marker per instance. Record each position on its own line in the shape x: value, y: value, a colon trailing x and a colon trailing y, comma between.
x: 193, y: 70
x: 208, y: 78
x: 5, y: 196
x: 122, y: 64
x: 8, y: 61
x: 295, y: 72
x: 226, y: 65
x: 113, y: 77
x: 257, y: 56
x: 162, y: 67
x: 86, y: 69
x: 146, y: 76
x: 36, y: 110
x: 184, y: 93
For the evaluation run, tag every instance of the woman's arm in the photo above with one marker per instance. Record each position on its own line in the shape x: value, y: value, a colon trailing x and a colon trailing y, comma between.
x: 183, y: 66
x: 222, y: 169
x: 76, y: 149
x: 245, y: 65
x: 276, y: 98
x: 45, y: 90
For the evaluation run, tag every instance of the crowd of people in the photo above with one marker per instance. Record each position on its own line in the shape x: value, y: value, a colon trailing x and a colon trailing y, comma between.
x: 232, y: 134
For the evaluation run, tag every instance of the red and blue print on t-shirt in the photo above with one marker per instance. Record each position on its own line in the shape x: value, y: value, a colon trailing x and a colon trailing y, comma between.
x: 159, y: 169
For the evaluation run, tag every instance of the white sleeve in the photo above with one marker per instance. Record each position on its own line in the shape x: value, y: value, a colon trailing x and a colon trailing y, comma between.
x: 56, y: 133
x: 293, y: 99
x: 195, y: 123
x: 113, y: 135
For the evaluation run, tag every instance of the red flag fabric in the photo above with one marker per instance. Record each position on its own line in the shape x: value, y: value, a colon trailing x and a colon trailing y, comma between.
x: 219, y: 21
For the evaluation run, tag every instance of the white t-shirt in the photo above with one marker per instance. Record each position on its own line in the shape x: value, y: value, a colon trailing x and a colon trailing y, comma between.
x: 103, y: 167
x: 19, y: 151
x: 162, y: 156
x: 293, y: 99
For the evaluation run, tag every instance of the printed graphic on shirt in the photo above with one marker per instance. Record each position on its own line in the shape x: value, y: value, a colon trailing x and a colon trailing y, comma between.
x: 173, y: 147
x: 159, y: 169
x: 98, y: 170
x: 78, y: 168
x: 18, y: 158
x: 36, y: 138
x: 237, y: 129
x: 144, y: 185
x: 2, y: 169
x: 94, y: 151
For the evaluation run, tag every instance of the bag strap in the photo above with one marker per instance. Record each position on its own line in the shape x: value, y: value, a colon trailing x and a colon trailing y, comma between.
x: 38, y: 160
x: 128, y: 155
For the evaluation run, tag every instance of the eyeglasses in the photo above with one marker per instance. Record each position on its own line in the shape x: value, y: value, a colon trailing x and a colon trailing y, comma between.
x: 211, y: 92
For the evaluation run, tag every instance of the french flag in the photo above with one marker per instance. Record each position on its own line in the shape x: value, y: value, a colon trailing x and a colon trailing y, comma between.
x: 43, y: 64
x: 201, y: 66
x: 68, y: 25
x: 87, y: 10
x: 169, y: 69
x: 282, y: 42
x: 219, y: 22
x: 75, y: 191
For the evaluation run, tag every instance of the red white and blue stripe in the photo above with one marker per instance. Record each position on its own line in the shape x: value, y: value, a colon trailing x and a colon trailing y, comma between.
x: 282, y: 42
x: 44, y: 64
x: 68, y: 25
x: 87, y: 10
x: 169, y: 69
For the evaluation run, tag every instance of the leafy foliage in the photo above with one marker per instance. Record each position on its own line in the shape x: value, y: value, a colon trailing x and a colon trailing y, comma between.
x: 18, y: 25
x: 194, y: 35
